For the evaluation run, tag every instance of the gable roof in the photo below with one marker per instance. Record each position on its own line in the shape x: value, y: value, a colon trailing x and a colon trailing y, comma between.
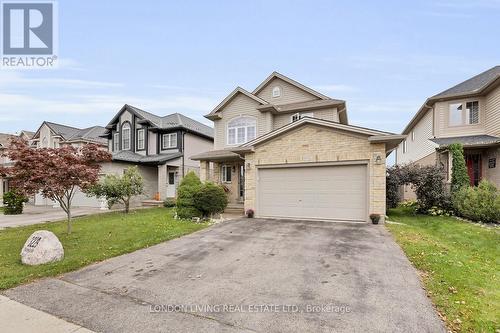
x: 171, y: 121
x: 29, y: 134
x: 212, y: 115
x: 69, y: 133
x: 473, y: 86
x: 290, y: 81
x: 5, y: 139
x: 373, y: 135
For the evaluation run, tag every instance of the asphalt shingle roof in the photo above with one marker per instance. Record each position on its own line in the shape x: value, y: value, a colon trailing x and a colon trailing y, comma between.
x: 472, y: 140
x: 129, y: 156
x: 174, y: 120
x: 72, y: 133
x: 472, y: 85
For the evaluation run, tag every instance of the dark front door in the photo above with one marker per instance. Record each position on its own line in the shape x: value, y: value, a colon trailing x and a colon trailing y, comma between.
x: 242, y: 182
x: 473, y: 162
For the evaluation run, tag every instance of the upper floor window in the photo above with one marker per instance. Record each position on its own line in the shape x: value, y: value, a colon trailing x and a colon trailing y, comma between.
x: 412, y: 135
x: 140, y: 139
x: 241, y: 130
x: 464, y: 113
x: 116, y: 142
x: 56, y: 144
x: 277, y: 91
x: 169, y: 141
x: 405, y: 147
x: 126, y: 136
x: 297, y: 116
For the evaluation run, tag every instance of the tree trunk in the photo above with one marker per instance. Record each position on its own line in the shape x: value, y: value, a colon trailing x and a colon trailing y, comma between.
x: 69, y: 221
x: 127, y: 205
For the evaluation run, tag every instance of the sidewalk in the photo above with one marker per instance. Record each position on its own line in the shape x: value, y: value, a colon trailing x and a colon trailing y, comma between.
x: 19, y: 318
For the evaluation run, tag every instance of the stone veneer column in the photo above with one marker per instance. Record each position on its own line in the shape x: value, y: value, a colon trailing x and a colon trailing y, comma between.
x: 204, y: 168
x: 162, y: 181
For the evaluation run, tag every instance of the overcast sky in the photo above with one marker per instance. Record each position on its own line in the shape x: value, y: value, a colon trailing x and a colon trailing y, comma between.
x: 383, y: 57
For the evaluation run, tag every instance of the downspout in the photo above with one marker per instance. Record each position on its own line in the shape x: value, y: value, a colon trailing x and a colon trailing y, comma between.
x: 183, y: 152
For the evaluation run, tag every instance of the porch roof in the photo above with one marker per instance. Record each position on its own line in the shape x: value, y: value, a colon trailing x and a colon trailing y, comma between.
x: 217, y: 155
x: 128, y: 156
x: 468, y: 141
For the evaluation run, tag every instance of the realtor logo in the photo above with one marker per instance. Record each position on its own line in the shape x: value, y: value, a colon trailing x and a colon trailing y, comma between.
x: 28, y: 34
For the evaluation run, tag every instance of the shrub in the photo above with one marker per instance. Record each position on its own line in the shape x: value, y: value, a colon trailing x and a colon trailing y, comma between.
x: 427, y: 181
x: 169, y: 202
x: 13, y: 203
x: 188, y: 187
x: 210, y: 199
x: 481, y: 203
x: 459, y: 176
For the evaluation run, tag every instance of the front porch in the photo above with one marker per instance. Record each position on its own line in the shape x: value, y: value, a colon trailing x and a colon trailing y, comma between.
x: 227, y: 169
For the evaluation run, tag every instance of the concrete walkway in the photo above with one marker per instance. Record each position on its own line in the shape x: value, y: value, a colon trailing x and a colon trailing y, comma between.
x: 19, y: 318
x: 41, y: 214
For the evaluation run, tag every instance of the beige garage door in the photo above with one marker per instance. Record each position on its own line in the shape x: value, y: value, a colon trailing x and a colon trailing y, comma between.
x: 319, y: 192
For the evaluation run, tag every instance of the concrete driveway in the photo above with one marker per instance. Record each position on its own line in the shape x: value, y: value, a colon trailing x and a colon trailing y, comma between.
x: 41, y: 214
x: 271, y: 276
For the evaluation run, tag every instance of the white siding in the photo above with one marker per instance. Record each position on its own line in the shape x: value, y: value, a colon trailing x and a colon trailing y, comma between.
x: 289, y: 93
x: 420, y: 147
x: 493, y: 112
x: 241, y: 105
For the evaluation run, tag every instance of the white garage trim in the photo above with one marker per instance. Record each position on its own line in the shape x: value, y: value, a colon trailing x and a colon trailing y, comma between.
x: 363, y: 217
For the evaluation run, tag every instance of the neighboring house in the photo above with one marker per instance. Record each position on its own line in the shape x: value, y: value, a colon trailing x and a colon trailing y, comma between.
x: 159, y: 146
x: 287, y: 151
x: 4, y: 161
x: 52, y: 135
x: 468, y: 113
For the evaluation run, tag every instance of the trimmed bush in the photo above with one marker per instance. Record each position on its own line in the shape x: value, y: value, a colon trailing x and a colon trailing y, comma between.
x: 481, y: 203
x: 169, y: 202
x: 188, y: 187
x: 210, y: 199
x: 13, y: 203
x: 459, y: 176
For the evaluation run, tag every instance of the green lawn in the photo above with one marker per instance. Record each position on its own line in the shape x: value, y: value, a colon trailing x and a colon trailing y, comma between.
x: 94, y: 238
x: 460, y: 265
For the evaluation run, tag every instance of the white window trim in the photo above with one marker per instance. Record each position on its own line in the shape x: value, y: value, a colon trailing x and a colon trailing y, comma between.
x: 405, y: 147
x: 143, y: 131
x: 169, y: 141
x: 245, y: 140
x: 464, y: 119
x: 412, y: 135
x: 125, y: 130
x: 116, y: 141
x: 224, y: 169
x: 301, y: 115
x: 278, y: 89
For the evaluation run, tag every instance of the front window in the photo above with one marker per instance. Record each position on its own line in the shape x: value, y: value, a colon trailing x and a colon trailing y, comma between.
x: 169, y: 141
x: 116, y: 142
x: 226, y: 173
x: 241, y: 130
x: 464, y: 113
x: 140, y: 139
x: 126, y: 136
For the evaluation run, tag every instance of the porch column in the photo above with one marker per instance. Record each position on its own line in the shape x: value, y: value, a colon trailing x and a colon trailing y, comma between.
x: 204, y: 168
x: 162, y: 182
x: 217, y: 179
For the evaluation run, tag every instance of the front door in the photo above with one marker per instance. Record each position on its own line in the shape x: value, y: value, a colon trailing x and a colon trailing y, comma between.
x: 172, y: 184
x: 473, y: 162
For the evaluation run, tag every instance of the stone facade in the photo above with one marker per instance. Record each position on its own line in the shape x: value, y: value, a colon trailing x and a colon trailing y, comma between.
x: 316, y: 144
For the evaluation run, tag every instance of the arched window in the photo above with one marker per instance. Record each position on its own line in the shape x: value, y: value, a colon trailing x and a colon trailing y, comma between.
x: 277, y: 91
x: 126, y: 136
x: 241, y: 130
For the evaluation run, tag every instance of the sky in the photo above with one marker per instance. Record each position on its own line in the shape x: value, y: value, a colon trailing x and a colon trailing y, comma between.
x: 383, y: 57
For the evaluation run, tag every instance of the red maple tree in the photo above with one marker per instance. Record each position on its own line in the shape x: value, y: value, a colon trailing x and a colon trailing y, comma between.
x: 56, y: 173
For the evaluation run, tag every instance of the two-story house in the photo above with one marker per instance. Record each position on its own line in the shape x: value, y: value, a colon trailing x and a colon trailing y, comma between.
x: 285, y: 150
x: 5, y: 162
x: 53, y: 135
x: 468, y: 113
x: 159, y: 146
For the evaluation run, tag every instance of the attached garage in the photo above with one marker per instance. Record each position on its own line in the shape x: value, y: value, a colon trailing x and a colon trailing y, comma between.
x: 337, y: 192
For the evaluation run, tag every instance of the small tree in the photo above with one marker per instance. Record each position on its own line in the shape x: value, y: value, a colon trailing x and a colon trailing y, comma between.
x: 210, y: 199
x: 56, y: 173
x: 188, y: 187
x: 459, y: 176
x: 120, y: 188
